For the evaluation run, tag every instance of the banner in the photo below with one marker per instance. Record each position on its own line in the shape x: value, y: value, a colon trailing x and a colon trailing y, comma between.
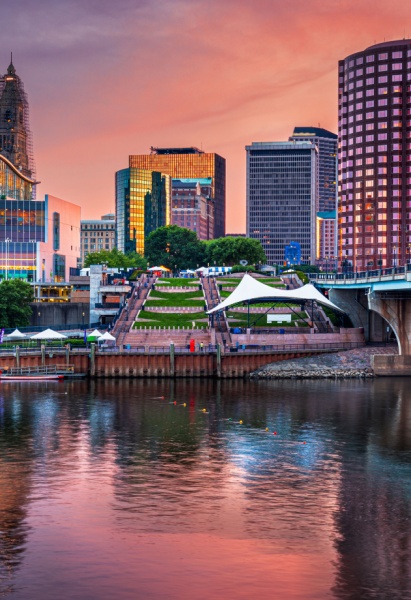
x: 85, y: 336
x: 1, y: 336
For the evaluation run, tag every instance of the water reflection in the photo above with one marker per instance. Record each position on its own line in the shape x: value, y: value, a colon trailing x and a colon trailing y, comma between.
x: 103, y: 483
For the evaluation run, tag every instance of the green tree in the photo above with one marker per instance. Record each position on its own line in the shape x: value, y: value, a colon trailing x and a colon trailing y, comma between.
x: 174, y: 247
x: 116, y: 258
x: 230, y: 250
x: 15, y: 298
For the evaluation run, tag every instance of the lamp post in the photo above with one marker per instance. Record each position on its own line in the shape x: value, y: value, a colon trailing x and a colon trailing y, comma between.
x: 395, y: 256
x: 326, y: 266
x: 380, y: 259
x: 7, y: 240
x: 82, y: 318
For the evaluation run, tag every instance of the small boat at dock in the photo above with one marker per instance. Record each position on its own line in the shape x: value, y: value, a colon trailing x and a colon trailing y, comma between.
x: 46, y: 373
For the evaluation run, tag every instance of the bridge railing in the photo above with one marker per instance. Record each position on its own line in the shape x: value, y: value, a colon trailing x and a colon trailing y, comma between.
x: 370, y: 274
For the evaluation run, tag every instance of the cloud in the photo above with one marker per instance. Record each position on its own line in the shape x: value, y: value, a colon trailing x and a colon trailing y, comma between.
x: 106, y: 79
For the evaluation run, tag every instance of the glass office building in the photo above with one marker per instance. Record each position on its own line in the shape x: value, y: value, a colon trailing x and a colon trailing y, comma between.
x: 282, y: 196
x: 374, y: 129
x: 190, y: 163
x: 143, y: 203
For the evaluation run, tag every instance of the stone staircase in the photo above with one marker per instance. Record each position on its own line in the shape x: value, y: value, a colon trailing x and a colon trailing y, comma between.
x: 124, y: 323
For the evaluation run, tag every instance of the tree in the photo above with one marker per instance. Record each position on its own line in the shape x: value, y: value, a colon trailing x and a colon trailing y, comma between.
x: 230, y: 250
x: 174, y: 247
x: 15, y: 298
x: 116, y: 258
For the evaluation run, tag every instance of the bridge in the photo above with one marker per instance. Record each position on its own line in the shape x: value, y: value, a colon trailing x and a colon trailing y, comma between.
x: 379, y: 301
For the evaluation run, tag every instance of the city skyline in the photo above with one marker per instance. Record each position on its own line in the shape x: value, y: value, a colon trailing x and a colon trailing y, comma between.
x: 222, y: 91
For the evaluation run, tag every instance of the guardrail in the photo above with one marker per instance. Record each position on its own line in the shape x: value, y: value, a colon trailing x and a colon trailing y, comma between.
x: 392, y: 272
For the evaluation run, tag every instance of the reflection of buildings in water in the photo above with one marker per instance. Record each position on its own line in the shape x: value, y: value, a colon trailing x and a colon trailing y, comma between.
x: 14, y: 491
x: 374, y: 500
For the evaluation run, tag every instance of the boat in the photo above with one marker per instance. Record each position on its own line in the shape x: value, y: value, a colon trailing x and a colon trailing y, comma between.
x: 46, y: 373
x: 33, y: 377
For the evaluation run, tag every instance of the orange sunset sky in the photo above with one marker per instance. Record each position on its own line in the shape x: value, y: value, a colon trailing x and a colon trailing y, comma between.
x: 107, y: 78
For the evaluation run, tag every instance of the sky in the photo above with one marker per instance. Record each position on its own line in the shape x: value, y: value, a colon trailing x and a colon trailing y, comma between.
x: 107, y: 78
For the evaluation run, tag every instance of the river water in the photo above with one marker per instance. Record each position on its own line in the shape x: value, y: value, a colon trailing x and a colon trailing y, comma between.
x: 167, y: 490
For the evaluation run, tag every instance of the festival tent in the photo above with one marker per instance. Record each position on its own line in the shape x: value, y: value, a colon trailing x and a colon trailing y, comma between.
x: 107, y: 337
x: 48, y: 334
x: 252, y: 291
x: 93, y: 335
x: 16, y: 335
x: 159, y: 269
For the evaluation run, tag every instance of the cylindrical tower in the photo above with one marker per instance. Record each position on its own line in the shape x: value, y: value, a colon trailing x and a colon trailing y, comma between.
x: 374, y: 156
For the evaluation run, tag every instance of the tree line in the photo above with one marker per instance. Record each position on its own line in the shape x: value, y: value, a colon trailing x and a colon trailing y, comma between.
x: 178, y: 248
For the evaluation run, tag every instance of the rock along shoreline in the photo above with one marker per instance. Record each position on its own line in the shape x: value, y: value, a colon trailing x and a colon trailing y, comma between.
x: 348, y: 364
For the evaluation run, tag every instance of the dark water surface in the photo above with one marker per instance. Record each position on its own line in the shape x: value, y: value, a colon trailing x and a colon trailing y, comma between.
x: 129, y: 490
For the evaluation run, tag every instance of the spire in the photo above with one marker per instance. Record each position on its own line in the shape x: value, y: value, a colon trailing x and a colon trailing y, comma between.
x: 11, y: 70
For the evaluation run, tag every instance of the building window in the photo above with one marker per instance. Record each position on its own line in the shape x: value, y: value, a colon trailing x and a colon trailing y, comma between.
x: 56, y: 231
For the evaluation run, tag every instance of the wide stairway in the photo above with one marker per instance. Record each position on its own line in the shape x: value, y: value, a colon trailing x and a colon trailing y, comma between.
x: 141, y: 289
x: 223, y: 336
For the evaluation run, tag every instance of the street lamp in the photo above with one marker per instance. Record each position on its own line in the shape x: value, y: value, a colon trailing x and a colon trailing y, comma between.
x: 7, y: 240
x: 380, y: 259
x: 395, y: 256
x: 82, y: 317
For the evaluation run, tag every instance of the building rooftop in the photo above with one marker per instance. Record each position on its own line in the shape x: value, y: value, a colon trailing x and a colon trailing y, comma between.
x: 314, y: 132
x: 189, y: 150
x: 404, y: 42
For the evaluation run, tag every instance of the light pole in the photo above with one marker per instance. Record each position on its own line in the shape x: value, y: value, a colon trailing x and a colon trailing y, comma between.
x: 7, y: 257
x: 395, y: 256
x: 82, y: 317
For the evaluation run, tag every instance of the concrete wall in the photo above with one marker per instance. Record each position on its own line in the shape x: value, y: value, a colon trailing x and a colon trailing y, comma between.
x: 157, y: 365
x: 345, y: 335
x: 391, y: 365
x: 59, y: 313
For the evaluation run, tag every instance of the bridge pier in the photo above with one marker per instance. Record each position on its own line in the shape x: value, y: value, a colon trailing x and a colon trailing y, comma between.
x: 355, y: 303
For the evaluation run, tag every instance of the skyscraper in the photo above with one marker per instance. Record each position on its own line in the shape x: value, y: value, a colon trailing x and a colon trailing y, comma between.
x: 190, y: 163
x: 374, y: 128
x: 143, y: 203
x: 39, y: 239
x: 327, y: 173
x: 327, y: 144
x: 193, y: 206
x: 15, y: 134
x: 282, y: 197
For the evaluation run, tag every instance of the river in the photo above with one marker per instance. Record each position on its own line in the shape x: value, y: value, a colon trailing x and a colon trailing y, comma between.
x: 200, y: 490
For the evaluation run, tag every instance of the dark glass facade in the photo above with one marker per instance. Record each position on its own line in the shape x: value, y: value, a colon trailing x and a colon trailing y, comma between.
x: 282, y: 197
x: 190, y: 163
x: 374, y: 128
x: 143, y: 203
x: 327, y: 144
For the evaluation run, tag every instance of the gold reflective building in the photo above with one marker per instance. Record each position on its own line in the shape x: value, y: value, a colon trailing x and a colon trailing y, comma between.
x: 143, y: 203
x: 190, y: 163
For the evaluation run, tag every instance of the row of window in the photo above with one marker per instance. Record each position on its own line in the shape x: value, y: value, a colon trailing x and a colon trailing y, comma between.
x: 370, y: 58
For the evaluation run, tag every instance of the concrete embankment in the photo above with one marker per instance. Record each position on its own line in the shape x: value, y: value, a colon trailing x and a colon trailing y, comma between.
x: 339, y: 365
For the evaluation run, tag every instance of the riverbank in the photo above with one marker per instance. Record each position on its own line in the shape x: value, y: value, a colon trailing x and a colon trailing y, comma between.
x: 346, y: 364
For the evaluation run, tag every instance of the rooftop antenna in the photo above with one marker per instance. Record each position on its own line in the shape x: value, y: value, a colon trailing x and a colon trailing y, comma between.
x: 11, y: 57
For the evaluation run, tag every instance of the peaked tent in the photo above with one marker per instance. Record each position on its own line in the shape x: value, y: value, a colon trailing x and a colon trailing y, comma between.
x: 16, y: 335
x: 94, y: 335
x: 252, y: 290
x: 107, y: 337
x: 48, y: 334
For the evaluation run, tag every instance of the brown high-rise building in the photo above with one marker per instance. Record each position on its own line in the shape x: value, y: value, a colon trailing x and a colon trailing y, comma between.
x: 190, y: 163
x: 374, y: 161
x: 15, y: 135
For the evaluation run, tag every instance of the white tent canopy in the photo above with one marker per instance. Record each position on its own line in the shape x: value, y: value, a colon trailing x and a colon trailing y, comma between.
x: 95, y: 333
x: 107, y: 337
x: 16, y: 335
x: 48, y: 334
x: 250, y: 289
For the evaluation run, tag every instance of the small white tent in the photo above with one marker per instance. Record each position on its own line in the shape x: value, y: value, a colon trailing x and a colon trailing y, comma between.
x: 16, y: 335
x: 48, y: 334
x: 107, y: 337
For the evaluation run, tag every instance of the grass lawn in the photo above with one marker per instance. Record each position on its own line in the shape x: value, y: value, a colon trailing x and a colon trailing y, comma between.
x: 178, y: 282
x: 175, y: 299
x: 148, y: 319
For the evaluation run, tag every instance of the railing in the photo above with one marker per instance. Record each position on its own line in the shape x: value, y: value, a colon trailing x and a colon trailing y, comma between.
x: 41, y: 370
x: 392, y: 272
x: 108, y: 305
